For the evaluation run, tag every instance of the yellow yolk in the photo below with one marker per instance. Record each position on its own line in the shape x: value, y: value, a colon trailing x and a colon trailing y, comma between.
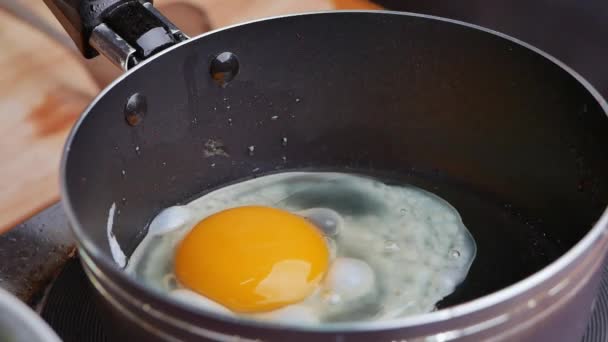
x: 252, y: 259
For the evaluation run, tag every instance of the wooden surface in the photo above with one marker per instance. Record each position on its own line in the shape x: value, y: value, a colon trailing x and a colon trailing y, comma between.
x: 41, y: 94
x: 45, y: 85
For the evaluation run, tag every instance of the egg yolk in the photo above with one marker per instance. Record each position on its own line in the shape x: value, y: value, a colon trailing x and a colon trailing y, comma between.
x: 253, y: 258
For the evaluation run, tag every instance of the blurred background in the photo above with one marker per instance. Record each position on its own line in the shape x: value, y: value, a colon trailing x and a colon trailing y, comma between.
x: 45, y: 83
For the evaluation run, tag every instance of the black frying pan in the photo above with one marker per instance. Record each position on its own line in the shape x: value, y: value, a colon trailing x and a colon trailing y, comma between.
x: 509, y: 136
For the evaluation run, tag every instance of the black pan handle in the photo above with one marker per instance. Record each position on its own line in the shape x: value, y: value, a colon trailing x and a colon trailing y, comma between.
x: 125, y: 31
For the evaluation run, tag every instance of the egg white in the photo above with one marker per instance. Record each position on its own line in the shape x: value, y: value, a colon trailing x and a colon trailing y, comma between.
x: 398, y: 257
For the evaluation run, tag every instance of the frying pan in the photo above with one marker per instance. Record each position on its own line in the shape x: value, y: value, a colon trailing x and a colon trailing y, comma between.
x: 511, y: 137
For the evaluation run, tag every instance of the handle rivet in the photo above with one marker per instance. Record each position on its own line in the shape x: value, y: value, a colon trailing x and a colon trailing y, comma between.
x: 224, y: 68
x: 135, y: 109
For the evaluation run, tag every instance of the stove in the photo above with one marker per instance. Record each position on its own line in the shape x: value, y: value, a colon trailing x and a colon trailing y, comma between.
x: 45, y: 272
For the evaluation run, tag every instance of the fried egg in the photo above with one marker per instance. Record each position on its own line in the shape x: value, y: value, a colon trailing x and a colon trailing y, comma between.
x: 307, y: 248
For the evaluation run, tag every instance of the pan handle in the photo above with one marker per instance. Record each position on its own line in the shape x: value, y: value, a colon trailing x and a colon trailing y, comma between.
x: 125, y: 31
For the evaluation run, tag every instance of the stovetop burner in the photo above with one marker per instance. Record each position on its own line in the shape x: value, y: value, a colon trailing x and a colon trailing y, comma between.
x: 597, y: 329
x: 70, y: 309
x: 69, y: 305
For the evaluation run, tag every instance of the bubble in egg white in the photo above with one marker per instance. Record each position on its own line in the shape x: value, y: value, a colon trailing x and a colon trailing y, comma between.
x: 329, y: 221
x: 349, y: 279
x: 169, y: 219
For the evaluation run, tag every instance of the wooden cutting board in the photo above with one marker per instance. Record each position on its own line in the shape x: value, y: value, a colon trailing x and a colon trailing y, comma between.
x: 45, y: 85
x: 43, y: 88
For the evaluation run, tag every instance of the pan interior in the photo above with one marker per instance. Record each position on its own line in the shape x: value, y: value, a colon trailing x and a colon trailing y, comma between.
x: 515, y: 143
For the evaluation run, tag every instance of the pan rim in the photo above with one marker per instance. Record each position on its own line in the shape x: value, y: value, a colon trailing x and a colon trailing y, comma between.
x: 592, y: 238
